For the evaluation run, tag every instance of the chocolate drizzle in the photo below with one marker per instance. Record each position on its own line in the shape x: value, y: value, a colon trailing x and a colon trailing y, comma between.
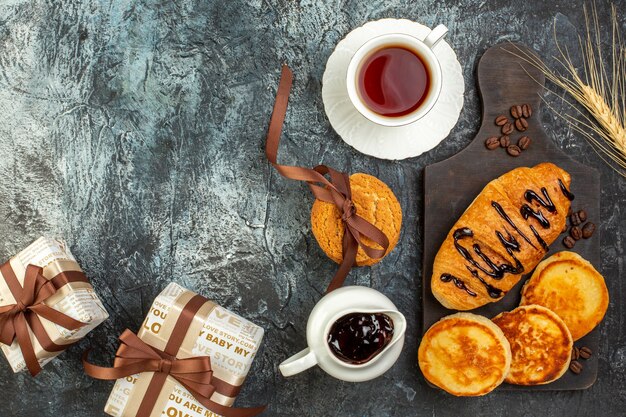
x: 565, y: 191
x: 495, y: 271
x: 542, y: 242
x: 491, y: 290
x: 511, y: 245
x: 505, y: 216
x: 458, y: 282
x: 526, y: 211
x: 530, y: 195
x: 509, y: 242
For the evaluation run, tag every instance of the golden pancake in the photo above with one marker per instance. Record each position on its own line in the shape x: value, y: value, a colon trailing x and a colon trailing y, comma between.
x: 570, y: 286
x: 465, y: 355
x: 541, y: 344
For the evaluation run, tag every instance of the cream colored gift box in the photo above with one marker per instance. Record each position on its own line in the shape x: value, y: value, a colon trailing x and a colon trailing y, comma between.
x: 230, y: 340
x: 75, y: 299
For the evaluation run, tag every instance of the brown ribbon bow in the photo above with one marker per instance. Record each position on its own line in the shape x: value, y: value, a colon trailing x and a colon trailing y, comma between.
x: 336, y: 191
x: 15, y: 319
x: 135, y: 356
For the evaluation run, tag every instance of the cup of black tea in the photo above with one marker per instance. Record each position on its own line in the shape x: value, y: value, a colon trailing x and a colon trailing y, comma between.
x: 395, y: 79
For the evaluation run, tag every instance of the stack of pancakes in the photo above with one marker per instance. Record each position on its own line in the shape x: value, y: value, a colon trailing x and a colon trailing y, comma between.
x: 468, y: 355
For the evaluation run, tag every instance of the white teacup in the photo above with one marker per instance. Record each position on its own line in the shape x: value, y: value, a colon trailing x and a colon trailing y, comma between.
x: 327, y: 311
x: 425, y: 52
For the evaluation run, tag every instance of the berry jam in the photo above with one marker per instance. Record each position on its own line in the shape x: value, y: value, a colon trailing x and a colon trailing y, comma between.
x: 358, y: 337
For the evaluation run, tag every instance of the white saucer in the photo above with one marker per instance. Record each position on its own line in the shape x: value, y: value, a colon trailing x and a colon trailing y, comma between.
x: 391, y: 142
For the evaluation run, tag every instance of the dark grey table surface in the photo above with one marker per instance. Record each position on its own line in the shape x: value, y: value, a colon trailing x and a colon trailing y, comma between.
x: 135, y: 129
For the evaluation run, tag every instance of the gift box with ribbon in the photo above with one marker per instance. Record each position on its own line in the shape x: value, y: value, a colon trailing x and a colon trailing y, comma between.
x: 189, y: 358
x: 46, y: 305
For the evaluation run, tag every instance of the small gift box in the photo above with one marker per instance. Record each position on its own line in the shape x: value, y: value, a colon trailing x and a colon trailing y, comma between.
x: 46, y: 305
x: 189, y: 359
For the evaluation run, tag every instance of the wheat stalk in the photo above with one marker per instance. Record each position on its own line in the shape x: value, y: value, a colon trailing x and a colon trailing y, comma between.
x: 598, y: 88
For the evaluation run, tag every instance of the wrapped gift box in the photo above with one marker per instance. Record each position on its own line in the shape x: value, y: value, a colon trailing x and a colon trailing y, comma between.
x: 228, y: 339
x: 77, y: 300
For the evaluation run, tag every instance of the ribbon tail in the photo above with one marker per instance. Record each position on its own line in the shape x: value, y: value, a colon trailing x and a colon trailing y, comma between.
x: 23, y: 339
x: 111, y: 374
x: 321, y: 193
x: 56, y: 317
x: 278, y: 114
x: 349, y: 258
x: 7, y: 330
x: 95, y: 371
x: 359, y: 226
x: 42, y: 335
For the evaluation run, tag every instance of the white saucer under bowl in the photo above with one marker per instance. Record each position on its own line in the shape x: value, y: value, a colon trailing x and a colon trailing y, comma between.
x: 391, y: 142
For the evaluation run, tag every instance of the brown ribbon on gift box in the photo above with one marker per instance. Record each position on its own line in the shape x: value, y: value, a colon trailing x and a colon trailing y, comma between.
x: 135, y: 356
x: 16, y: 319
x: 336, y: 191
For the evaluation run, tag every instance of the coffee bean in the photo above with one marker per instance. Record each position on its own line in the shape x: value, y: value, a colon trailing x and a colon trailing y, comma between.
x: 588, y: 230
x: 585, y: 352
x: 513, y: 150
x: 507, y: 128
x: 516, y: 111
x: 576, y: 233
x: 505, y: 141
x: 569, y: 242
x: 564, y: 228
x: 524, y: 142
x: 527, y: 111
x: 574, y: 219
x: 521, y: 124
x: 492, y: 143
x: 502, y: 120
x: 575, y: 353
x: 582, y: 215
x: 576, y: 367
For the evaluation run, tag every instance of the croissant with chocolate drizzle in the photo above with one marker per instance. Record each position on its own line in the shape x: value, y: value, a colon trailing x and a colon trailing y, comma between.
x: 501, y: 236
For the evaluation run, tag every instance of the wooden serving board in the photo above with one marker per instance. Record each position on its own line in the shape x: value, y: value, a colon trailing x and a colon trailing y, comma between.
x: 451, y: 185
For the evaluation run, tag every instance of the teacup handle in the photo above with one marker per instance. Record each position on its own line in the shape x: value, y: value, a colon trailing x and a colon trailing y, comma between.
x: 299, y: 362
x: 435, y: 36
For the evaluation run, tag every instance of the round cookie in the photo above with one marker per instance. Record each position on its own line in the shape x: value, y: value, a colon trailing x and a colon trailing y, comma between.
x: 374, y: 201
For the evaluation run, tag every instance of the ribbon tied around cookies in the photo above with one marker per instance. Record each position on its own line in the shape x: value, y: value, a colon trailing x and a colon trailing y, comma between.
x: 336, y: 191
x: 16, y: 319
